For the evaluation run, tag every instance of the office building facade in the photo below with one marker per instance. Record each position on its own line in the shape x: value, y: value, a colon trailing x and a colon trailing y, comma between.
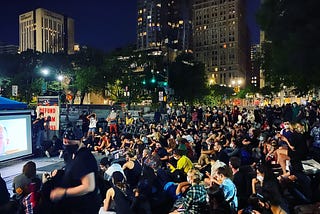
x: 165, y: 25
x: 149, y: 24
x: 220, y: 40
x: 45, y: 31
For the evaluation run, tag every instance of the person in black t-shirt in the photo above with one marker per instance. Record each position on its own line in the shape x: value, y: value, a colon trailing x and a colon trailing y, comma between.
x: 78, y: 192
x: 39, y: 126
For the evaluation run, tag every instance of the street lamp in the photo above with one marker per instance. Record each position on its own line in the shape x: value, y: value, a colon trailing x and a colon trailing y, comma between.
x: 45, y: 71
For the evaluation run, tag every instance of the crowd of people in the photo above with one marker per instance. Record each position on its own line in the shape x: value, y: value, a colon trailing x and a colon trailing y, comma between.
x: 196, y: 160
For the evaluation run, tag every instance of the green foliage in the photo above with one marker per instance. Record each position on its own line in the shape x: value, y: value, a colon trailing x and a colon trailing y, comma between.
x: 293, y: 27
x: 218, y: 94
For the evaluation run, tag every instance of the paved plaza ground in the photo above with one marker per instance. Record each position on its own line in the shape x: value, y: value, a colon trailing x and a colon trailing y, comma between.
x: 12, y: 168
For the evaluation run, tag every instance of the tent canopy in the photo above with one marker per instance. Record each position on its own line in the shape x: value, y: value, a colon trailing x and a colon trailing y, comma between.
x: 7, y: 104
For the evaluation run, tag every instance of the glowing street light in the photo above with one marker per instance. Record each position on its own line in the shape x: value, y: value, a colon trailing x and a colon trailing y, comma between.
x: 60, y: 77
x: 45, y: 71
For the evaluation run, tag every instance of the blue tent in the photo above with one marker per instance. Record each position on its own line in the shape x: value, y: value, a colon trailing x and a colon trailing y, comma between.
x: 7, y: 104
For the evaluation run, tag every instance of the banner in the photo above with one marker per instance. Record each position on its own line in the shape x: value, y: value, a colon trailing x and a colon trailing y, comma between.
x: 51, y: 114
x: 49, y: 105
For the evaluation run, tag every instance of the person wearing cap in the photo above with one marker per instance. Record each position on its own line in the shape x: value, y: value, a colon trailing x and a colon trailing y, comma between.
x: 116, y: 200
x: 78, y: 190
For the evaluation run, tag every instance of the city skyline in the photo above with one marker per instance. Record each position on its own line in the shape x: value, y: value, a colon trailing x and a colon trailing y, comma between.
x: 117, y: 18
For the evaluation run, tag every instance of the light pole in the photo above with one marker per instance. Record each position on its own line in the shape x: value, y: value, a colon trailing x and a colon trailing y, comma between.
x: 45, y: 73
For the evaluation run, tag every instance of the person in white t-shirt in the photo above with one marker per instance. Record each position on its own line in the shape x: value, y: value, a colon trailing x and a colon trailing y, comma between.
x: 92, y: 124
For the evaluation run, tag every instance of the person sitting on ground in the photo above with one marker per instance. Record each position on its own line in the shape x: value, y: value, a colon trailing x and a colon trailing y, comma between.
x: 6, y: 206
x: 242, y: 176
x: 162, y: 153
x: 217, y: 202
x: 55, y: 147
x: 183, y: 162
x: 149, y: 159
x: 222, y: 178
x: 21, y: 182
x: 132, y: 170
x: 206, y: 151
x: 103, y: 144
x: 195, y: 199
x: 266, y: 183
x: 116, y: 201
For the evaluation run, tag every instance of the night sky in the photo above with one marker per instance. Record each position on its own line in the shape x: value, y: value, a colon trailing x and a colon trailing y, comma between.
x: 103, y: 24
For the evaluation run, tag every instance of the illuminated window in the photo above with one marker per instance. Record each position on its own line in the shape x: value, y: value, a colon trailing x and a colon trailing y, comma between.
x: 181, y: 22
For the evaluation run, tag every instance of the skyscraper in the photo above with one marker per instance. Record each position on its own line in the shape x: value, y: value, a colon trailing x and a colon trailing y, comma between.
x: 149, y: 24
x: 254, y: 74
x: 177, y: 27
x: 165, y: 25
x: 45, y: 31
x: 220, y: 39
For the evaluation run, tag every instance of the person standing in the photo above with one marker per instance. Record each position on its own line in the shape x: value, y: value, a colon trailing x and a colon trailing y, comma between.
x: 112, y: 121
x: 92, y: 125
x: 39, y: 126
x: 78, y: 190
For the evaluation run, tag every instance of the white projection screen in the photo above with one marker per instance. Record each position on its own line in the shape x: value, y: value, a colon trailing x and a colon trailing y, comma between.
x: 15, y: 134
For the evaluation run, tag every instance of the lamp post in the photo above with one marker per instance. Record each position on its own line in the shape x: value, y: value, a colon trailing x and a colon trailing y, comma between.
x: 45, y: 73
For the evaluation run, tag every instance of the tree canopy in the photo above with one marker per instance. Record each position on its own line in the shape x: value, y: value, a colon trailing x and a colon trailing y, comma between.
x: 293, y: 29
x: 188, y: 79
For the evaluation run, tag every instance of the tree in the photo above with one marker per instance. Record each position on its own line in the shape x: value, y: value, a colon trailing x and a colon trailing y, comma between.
x: 188, y: 79
x: 85, y: 80
x: 292, y: 56
x: 218, y: 94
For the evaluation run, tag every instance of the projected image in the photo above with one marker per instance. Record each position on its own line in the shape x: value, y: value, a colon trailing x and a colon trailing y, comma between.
x: 15, y: 136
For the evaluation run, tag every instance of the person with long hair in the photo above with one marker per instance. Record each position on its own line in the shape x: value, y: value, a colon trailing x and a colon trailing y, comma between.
x: 116, y: 201
x: 266, y: 184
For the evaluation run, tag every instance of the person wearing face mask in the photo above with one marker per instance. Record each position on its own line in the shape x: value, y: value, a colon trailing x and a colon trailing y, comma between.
x: 266, y: 183
x: 78, y: 191
x: 183, y: 162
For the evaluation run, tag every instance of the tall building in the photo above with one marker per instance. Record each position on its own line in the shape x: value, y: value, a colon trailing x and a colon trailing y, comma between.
x: 254, y: 75
x: 165, y: 25
x: 45, y: 31
x: 220, y: 40
x: 149, y: 24
x: 177, y: 24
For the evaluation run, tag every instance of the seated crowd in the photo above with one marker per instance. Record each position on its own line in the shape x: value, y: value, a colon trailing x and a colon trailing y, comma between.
x: 213, y: 161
